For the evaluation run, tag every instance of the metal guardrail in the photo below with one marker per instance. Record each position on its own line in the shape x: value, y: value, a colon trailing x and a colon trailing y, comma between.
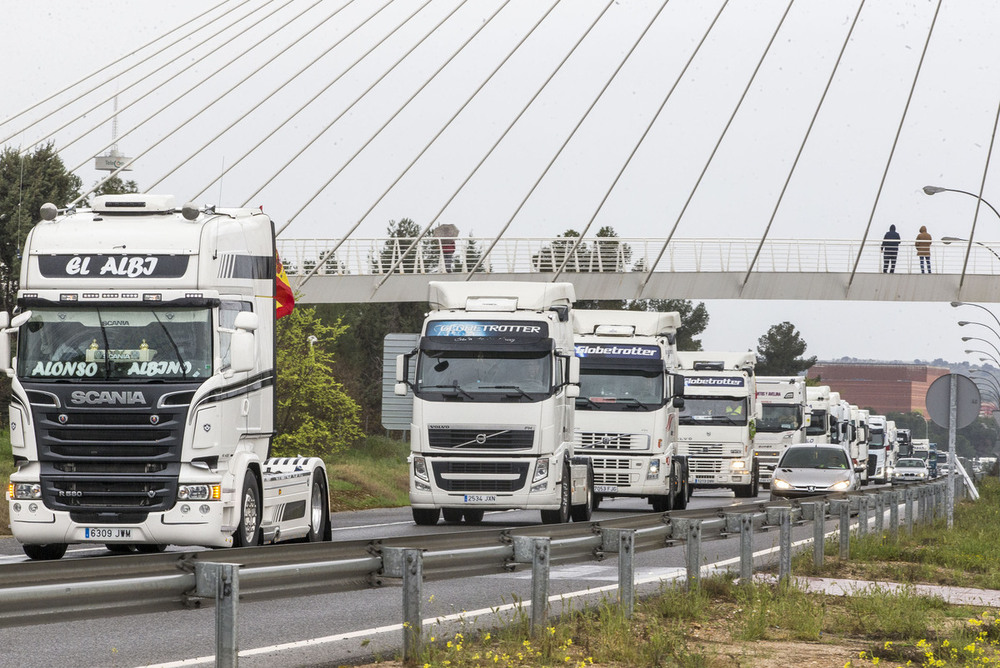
x: 367, y: 257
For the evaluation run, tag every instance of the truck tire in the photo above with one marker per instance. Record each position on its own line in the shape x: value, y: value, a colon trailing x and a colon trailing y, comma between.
x: 683, y: 488
x: 248, y: 532
x: 452, y: 515
x: 661, y: 503
x: 118, y: 548
x: 425, y: 517
x: 473, y: 516
x: 561, y: 514
x: 597, y: 500
x: 750, y: 491
x: 45, y: 552
x: 584, y: 511
x: 319, y: 510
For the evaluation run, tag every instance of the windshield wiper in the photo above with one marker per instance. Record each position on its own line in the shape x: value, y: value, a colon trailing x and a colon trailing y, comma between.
x: 454, y: 386
x: 589, y: 401
x: 506, y: 387
x: 633, y: 401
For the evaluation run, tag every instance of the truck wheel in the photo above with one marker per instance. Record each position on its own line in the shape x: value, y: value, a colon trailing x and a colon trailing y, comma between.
x: 561, y: 514
x: 583, y: 512
x: 425, y: 517
x: 683, y: 494
x: 319, y: 511
x: 661, y: 503
x: 452, y: 515
x: 473, y: 516
x: 46, y: 552
x: 597, y: 500
x: 749, y: 491
x: 247, y: 533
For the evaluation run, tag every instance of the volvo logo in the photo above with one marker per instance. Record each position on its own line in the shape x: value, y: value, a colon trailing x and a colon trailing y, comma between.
x: 480, y: 438
x: 605, y: 440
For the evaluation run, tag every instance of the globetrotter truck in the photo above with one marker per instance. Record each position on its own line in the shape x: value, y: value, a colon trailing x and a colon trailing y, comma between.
x: 717, y: 422
x: 782, y: 419
x: 143, y: 398
x: 496, y: 378
x: 626, y: 414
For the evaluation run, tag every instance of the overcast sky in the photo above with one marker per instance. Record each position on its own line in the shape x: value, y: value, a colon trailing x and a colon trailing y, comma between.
x: 944, y: 141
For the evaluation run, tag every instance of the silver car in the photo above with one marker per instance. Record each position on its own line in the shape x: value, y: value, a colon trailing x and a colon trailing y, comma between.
x: 805, y: 470
x: 910, y: 469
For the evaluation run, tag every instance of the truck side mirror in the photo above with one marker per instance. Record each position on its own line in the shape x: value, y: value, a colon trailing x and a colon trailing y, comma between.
x: 678, y: 381
x: 401, y: 368
x: 5, y: 344
x: 241, y: 351
x: 574, y: 372
x: 807, y: 420
x: 572, y: 391
x: 678, y: 402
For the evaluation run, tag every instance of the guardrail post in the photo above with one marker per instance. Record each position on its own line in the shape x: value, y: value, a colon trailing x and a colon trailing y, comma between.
x: 880, y: 513
x: 539, y: 584
x: 626, y: 571
x: 894, y: 513
x: 690, y: 533
x: 785, y: 544
x: 862, y: 515
x: 413, y: 575
x: 746, y: 547
x: 819, y: 530
x: 842, y: 507
x: 908, y: 496
x: 222, y: 582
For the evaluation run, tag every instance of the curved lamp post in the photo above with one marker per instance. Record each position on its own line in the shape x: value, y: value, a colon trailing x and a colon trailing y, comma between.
x: 976, y: 338
x: 957, y: 304
x: 983, y: 375
x: 948, y: 240
x: 934, y: 190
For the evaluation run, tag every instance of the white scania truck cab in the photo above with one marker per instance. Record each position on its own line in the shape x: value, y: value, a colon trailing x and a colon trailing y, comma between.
x: 717, y: 423
x: 143, y: 400
x: 782, y: 419
x: 496, y: 379
x: 627, y: 411
x: 822, y: 426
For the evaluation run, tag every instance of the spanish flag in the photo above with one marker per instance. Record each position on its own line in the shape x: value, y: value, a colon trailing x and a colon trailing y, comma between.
x: 283, y: 297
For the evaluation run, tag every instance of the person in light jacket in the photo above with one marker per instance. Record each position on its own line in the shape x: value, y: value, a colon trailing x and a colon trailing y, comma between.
x: 923, y: 245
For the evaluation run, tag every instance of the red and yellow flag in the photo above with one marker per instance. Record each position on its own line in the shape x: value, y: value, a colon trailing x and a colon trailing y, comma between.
x: 283, y: 297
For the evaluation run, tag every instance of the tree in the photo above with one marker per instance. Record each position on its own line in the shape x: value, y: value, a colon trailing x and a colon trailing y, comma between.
x: 314, y: 416
x: 779, y: 352
x: 26, y: 183
x: 113, y: 186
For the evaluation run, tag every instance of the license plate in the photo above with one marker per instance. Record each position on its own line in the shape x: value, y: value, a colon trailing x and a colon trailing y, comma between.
x: 605, y: 489
x: 102, y: 533
x: 704, y: 479
x: 480, y: 498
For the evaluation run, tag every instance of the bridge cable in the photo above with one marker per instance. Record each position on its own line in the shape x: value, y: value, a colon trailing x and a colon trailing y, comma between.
x: 489, y: 78
x: 443, y: 65
x: 153, y: 89
x: 204, y: 107
x: 895, y: 141
x: 979, y: 201
x: 471, y: 173
x: 718, y: 143
x: 649, y: 126
x: 351, y: 106
x: 270, y: 95
x: 802, y: 146
x: 105, y: 67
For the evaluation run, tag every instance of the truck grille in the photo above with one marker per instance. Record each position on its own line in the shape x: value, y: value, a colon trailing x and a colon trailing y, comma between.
x: 443, y: 471
x: 699, y: 466
x: 595, y: 440
x: 483, y: 438
x: 109, y: 463
x: 619, y: 479
x: 605, y: 463
x: 702, y: 449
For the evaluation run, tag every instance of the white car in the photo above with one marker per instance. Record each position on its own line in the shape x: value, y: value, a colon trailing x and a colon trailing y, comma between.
x: 805, y: 470
x: 910, y: 469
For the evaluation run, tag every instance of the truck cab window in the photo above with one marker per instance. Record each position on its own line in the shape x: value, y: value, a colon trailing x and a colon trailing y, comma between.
x: 227, y: 316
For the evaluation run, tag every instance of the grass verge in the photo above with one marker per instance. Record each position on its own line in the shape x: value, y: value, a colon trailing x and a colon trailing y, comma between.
x: 372, y: 474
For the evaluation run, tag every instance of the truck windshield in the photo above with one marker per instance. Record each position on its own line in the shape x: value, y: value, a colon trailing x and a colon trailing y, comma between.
x: 477, y: 375
x: 877, y: 439
x: 606, y: 389
x: 714, y: 410
x: 116, y: 343
x: 778, y: 417
x: 817, y: 423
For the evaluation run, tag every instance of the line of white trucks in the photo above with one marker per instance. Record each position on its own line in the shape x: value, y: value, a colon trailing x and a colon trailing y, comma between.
x: 142, y: 360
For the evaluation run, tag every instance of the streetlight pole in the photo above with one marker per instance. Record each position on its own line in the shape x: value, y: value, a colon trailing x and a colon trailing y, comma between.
x: 933, y: 190
x: 948, y: 240
x: 986, y: 377
x: 976, y: 338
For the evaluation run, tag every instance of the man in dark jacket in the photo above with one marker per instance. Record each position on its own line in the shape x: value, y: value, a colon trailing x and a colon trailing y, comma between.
x: 890, y: 249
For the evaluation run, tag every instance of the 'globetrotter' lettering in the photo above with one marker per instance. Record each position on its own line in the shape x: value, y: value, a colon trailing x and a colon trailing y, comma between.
x: 696, y: 381
x: 474, y: 328
x: 596, y: 349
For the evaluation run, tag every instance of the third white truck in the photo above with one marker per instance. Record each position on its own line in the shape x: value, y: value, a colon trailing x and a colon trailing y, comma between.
x: 782, y: 419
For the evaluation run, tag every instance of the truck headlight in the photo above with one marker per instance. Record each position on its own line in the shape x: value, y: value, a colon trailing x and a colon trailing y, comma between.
x: 654, y: 470
x: 541, y: 469
x: 738, y: 464
x: 420, y: 468
x: 199, y: 492
x: 25, y: 490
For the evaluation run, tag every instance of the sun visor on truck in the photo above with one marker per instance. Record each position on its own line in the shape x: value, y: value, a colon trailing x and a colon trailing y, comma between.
x: 619, y: 355
x: 504, y: 335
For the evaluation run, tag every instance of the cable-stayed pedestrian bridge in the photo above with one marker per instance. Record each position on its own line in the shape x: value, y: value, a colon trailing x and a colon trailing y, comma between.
x: 399, y: 269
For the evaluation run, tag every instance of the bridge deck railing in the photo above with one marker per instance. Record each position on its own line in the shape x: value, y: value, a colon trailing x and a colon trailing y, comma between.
x: 615, y: 255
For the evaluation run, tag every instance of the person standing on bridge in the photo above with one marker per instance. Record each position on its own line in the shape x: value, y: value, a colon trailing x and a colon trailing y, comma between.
x: 924, y: 250
x: 890, y: 248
